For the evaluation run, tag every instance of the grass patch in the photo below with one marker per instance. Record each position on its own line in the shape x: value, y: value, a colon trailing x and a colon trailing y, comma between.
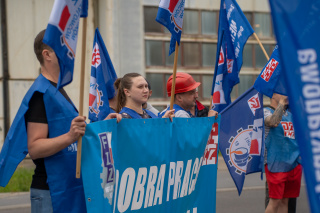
x: 20, y: 181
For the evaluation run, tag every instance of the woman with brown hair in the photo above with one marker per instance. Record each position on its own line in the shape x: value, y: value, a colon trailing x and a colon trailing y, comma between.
x: 132, y: 93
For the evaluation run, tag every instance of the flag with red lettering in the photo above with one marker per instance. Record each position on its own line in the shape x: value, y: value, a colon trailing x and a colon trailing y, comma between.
x: 170, y: 15
x: 62, y: 34
x: 241, y: 139
x: 234, y: 31
x: 271, y: 79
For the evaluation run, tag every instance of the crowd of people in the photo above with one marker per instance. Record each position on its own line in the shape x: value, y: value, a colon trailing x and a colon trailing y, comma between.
x: 52, y: 125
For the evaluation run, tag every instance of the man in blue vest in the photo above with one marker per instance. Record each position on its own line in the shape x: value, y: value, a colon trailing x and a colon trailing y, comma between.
x: 47, y: 126
x: 185, y: 96
x: 283, y: 169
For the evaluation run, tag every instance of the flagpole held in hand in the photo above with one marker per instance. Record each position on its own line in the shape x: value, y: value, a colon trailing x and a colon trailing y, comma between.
x: 174, y: 75
x: 263, y: 50
x: 83, y: 62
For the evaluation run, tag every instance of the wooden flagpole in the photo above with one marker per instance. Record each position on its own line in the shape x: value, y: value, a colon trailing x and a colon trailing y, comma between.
x: 83, y: 63
x: 174, y: 75
x: 263, y: 50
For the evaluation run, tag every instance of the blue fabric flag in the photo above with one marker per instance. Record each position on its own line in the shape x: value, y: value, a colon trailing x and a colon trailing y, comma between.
x: 168, y: 168
x: 297, y: 28
x: 62, y: 35
x: 234, y: 31
x: 241, y: 140
x: 102, y: 79
x: 84, y: 9
x: 271, y: 79
x: 170, y: 15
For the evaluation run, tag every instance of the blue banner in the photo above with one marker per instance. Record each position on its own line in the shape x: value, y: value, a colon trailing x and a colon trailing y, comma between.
x: 234, y: 31
x: 161, y: 166
x: 271, y: 79
x: 297, y: 27
x: 102, y: 79
x: 170, y: 15
x: 241, y: 139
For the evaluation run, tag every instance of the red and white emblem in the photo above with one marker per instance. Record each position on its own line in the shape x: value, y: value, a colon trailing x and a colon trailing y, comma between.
x: 96, y: 60
x: 221, y: 57
x: 270, y: 68
x: 288, y: 129
x: 254, y: 103
x: 230, y: 65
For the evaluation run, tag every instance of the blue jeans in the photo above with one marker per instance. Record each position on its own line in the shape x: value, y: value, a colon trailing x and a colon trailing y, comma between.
x: 40, y: 201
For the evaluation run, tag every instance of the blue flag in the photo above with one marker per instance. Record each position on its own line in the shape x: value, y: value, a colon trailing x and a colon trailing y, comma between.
x: 297, y: 28
x: 62, y: 35
x: 156, y: 171
x: 102, y: 79
x: 234, y: 31
x: 271, y: 79
x: 170, y: 15
x: 84, y: 9
x: 241, y: 140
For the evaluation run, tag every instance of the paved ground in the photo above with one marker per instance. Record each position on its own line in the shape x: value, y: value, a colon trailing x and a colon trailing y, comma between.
x: 251, y: 199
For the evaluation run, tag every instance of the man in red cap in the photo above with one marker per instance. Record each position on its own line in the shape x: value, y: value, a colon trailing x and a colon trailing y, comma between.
x: 185, y: 95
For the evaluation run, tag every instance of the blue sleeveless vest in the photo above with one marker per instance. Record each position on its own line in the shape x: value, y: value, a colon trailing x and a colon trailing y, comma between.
x: 134, y: 114
x: 66, y: 191
x: 176, y: 108
x: 282, y: 148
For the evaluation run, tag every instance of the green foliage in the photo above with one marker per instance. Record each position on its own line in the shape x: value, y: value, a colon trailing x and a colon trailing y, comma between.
x: 20, y: 181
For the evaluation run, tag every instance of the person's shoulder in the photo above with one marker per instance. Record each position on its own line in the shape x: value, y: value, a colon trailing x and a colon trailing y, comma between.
x: 181, y: 114
x: 125, y: 115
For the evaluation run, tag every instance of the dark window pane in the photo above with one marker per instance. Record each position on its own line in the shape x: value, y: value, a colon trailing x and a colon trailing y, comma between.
x: 170, y: 59
x: 262, y: 24
x: 207, y: 85
x: 247, y: 56
x: 249, y: 17
x: 209, y: 23
x: 156, y: 83
x: 190, y: 22
x: 246, y: 81
x: 150, y: 24
x: 208, y: 54
x: 261, y: 59
x: 154, y: 53
x: 191, y: 54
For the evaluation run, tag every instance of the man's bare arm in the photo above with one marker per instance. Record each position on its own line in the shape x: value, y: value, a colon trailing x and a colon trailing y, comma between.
x: 39, y: 146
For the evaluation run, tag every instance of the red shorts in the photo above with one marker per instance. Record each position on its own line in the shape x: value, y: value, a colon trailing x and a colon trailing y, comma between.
x: 284, y: 184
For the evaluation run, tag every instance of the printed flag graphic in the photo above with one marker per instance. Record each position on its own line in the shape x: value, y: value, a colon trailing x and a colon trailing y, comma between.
x: 102, y: 79
x: 234, y: 31
x: 297, y: 28
x: 271, y: 79
x: 241, y: 140
x: 170, y: 15
x: 62, y: 35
